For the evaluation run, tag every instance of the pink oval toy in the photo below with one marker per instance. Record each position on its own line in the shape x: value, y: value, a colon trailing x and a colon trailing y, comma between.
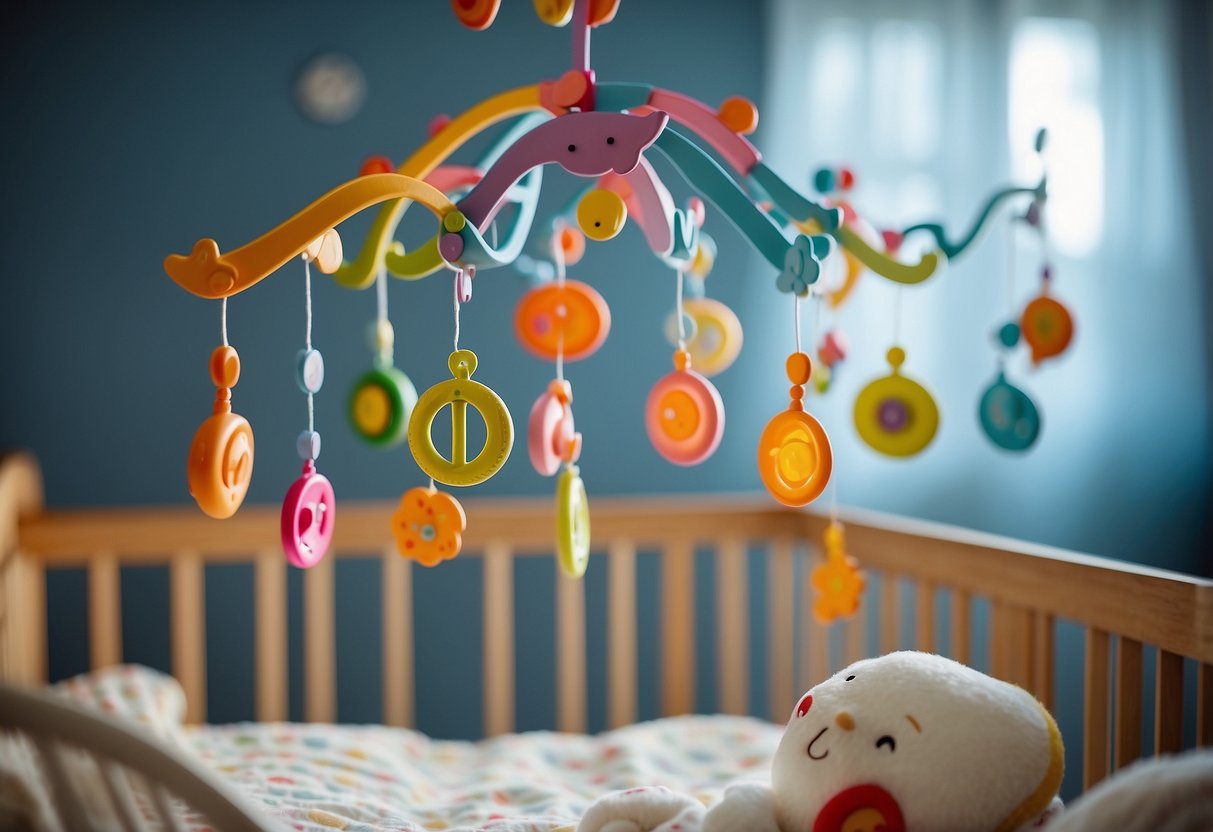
x: 684, y: 415
x: 551, y: 438
x: 308, y: 513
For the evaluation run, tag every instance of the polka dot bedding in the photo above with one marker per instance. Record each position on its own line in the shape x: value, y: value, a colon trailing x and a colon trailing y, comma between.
x: 370, y: 778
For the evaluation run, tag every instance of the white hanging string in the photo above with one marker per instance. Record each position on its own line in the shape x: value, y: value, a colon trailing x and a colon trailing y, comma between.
x: 223, y: 321
x: 1011, y: 268
x: 682, y: 329
x: 559, y: 264
x: 897, y: 317
x: 796, y: 318
x: 381, y: 294
x: 307, y: 300
x: 458, y: 287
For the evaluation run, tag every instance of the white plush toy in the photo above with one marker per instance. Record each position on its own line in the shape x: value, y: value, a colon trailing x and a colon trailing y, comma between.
x: 907, y: 741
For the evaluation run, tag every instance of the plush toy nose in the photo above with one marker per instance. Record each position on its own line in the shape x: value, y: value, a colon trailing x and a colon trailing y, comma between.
x: 845, y: 721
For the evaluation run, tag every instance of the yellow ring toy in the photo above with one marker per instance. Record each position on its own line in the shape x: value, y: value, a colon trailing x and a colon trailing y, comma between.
x: 795, y: 459
x: 460, y: 392
x: 572, y: 523
x: 894, y: 415
x: 718, y: 335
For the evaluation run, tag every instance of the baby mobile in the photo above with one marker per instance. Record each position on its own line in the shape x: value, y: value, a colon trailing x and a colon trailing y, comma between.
x: 605, y: 133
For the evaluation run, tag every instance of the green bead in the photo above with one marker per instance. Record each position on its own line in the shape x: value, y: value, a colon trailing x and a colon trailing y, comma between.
x: 1009, y: 334
x: 823, y: 180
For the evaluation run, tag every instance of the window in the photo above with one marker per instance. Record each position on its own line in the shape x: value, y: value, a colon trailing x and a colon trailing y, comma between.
x: 1054, y: 82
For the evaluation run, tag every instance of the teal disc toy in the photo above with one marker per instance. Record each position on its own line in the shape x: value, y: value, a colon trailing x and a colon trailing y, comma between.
x: 1008, y: 416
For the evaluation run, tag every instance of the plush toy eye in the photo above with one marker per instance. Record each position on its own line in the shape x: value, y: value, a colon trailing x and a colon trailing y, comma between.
x: 887, y: 740
x: 849, y: 678
x: 805, y: 704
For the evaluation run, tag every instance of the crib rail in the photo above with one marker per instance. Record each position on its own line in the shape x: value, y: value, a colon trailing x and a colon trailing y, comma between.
x: 934, y: 577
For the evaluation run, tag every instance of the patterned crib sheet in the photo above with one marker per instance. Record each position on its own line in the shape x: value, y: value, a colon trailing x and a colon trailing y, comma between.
x: 370, y: 778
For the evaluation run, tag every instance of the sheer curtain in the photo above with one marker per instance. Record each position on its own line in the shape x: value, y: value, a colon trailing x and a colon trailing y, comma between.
x: 934, y: 104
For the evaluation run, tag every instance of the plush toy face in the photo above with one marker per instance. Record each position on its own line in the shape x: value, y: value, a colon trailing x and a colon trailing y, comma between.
x: 919, y: 742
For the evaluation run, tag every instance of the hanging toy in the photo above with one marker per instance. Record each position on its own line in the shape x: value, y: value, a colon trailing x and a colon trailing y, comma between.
x: 838, y: 581
x: 684, y: 415
x: 714, y: 334
x: 1007, y: 414
x: 895, y: 415
x: 830, y: 352
x: 568, y: 313
x: 309, y: 510
x: 459, y: 393
x: 428, y: 526
x: 220, y: 463
x: 794, y: 455
x: 383, y: 397
x: 551, y: 437
x: 1047, y: 325
x: 572, y: 522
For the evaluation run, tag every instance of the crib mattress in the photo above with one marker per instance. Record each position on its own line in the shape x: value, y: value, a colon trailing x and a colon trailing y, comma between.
x: 364, y: 778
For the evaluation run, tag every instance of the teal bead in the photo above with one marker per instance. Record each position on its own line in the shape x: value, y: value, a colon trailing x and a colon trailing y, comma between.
x: 823, y: 180
x: 1009, y: 334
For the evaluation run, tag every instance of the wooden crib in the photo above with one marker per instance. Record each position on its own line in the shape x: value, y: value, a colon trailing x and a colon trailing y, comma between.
x: 1026, y: 588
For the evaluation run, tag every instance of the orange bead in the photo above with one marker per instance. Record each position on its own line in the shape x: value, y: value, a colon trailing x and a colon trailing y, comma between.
x: 682, y: 360
x: 225, y: 366
x: 799, y: 367
x: 739, y: 115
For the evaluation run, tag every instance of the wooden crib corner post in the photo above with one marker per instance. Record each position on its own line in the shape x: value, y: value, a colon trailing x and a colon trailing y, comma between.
x: 22, y: 576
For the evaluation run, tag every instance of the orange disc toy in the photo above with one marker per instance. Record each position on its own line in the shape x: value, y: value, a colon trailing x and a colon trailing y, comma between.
x: 794, y: 454
x: 684, y: 415
x: 568, y: 314
x: 220, y: 464
x: 1047, y: 326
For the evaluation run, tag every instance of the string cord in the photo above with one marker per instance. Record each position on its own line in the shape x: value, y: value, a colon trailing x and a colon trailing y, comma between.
x: 796, y: 319
x: 559, y: 264
x: 897, y: 316
x: 223, y: 321
x: 307, y: 300
x: 682, y: 329
x: 458, y: 287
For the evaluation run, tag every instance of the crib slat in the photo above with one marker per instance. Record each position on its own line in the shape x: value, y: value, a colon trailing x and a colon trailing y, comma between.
x: 890, y: 622
x: 1128, y: 701
x: 319, y: 644
x: 31, y: 588
x: 678, y: 628
x: 621, y: 636
x: 104, y: 610
x: 1042, y: 658
x: 856, y: 630
x: 498, y: 638
x: 187, y: 589
x: 1204, y: 704
x: 269, y: 587
x: 732, y: 626
x: 781, y: 626
x: 1021, y: 653
x: 814, y: 641
x: 398, y: 666
x: 962, y: 616
x: 924, y: 616
x: 1095, y: 708
x: 1169, y: 703
x: 997, y: 638
x: 570, y: 654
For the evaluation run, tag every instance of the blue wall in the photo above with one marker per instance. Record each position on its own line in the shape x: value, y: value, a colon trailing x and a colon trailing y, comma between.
x: 136, y: 128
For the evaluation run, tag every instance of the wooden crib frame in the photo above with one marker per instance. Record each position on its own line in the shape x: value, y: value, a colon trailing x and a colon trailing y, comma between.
x: 1028, y: 588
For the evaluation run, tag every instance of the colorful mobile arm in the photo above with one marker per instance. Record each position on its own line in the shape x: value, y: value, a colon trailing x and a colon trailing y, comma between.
x: 953, y: 249
x: 360, y: 273
x: 209, y: 274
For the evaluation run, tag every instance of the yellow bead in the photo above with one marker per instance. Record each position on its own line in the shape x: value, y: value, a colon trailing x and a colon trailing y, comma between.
x: 896, y: 356
x: 601, y: 214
